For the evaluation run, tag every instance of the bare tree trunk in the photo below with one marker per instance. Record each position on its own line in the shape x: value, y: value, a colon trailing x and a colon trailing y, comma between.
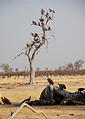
x: 32, y: 73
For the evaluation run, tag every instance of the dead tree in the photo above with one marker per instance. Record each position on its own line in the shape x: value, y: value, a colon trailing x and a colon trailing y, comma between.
x: 6, y: 68
x: 38, y: 40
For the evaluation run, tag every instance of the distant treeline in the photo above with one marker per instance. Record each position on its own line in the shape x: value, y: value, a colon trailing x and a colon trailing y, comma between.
x: 44, y: 73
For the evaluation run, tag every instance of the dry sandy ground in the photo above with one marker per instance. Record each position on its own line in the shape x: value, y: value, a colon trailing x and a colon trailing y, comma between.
x: 16, y: 90
x: 53, y: 112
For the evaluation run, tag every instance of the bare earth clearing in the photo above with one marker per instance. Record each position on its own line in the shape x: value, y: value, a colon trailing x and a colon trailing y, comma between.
x: 16, y: 90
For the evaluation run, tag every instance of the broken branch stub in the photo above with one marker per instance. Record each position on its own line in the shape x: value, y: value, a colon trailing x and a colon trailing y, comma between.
x: 25, y: 104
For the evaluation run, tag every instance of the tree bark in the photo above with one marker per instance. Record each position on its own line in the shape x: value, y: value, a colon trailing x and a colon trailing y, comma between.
x: 32, y: 73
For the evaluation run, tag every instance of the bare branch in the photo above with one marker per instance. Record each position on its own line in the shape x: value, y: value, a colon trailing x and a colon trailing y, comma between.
x: 18, y: 55
x: 49, y: 16
x: 35, y: 52
x: 31, y: 108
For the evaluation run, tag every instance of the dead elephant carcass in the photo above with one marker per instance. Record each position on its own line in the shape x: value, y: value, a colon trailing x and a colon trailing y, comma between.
x: 53, y: 95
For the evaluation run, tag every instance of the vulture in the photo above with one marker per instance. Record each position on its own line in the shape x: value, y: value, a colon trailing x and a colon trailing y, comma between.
x: 50, y: 81
x: 47, y: 14
x: 34, y: 23
x: 41, y: 19
x: 81, y: 89
x: 51, y: 10
x: 42, y: 11
x: 27, y: 45
x: 5, y: 100
x: 38, y: 23
x: 62, y: 86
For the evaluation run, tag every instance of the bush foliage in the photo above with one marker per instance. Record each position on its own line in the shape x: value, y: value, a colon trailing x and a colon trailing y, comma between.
x: 44, y: 73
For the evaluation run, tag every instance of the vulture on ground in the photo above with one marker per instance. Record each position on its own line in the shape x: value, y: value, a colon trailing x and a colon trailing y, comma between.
x: 81, y: 89
x: 50, y: 81
x: 62, y: 86
x: 5, y: 100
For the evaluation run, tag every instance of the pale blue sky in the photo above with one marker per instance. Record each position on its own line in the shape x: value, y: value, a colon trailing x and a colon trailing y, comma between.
x: 68, y: 26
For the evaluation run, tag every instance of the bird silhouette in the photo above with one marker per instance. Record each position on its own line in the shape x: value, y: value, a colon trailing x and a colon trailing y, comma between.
x: 11, y: 113
x: 62, y: 86
x: 50, y: 81
x: 49, y: 28
x: 36, y: 34
x: 47, y: 14
x: 34, y: 23
x: 51, y: 10
x: 38, y: 23
x: 42, y: 11
x: 5, y: 100
x: 41, y: 20
x: 27, y: 45
x: 81, y: 89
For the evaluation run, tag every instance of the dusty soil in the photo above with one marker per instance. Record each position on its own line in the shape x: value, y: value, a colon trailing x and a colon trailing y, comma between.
x: 16, y: 90
x: 53, y: 112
